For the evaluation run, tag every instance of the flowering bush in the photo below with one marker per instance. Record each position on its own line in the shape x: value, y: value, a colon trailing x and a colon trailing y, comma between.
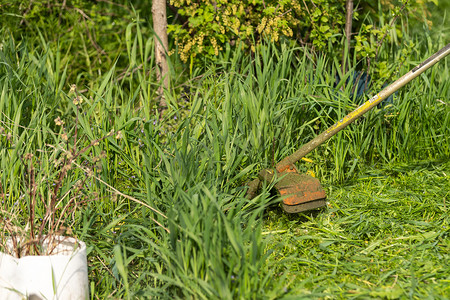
x: 210, y: 25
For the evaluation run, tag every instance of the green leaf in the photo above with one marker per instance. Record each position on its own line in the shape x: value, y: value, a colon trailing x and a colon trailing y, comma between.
x: 324, y: 28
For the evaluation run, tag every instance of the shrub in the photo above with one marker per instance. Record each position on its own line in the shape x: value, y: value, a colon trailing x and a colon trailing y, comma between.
x: 88, y: 34
x: 208, y: 26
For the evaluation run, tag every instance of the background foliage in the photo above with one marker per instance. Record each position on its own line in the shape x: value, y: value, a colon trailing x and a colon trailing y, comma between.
x: 87, y: 34
x: 207, y: 27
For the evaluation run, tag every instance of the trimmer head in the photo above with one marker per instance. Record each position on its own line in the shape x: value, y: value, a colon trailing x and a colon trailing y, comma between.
x: 300, y: 192
x: 304, y: 192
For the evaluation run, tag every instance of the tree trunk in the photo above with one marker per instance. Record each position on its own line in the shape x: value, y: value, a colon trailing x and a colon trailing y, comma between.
x: 348, y: 33
x: 161, y: 49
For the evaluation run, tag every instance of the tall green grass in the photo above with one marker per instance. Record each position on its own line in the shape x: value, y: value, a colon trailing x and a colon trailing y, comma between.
x: 169, y: 217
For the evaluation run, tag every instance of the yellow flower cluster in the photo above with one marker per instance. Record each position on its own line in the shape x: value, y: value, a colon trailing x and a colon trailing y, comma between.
x: 232, y: 21
x: 215, y: 46
x: 261, y: 25
x: 274, y: 26
x: 196, y: 46
x: 185, y: 50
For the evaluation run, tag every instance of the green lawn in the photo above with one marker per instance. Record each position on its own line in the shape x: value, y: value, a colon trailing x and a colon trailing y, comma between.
x: 385, y: 234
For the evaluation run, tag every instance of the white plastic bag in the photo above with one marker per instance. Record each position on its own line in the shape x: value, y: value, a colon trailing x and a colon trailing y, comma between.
x: 61, y: 275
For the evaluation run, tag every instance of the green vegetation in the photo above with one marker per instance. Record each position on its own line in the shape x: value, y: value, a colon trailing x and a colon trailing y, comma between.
x: 208, y: 27
x: 384, y: 236
x: 160, y: 201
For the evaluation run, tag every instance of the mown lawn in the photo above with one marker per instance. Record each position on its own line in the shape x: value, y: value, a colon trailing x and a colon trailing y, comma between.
x: 384, y: 235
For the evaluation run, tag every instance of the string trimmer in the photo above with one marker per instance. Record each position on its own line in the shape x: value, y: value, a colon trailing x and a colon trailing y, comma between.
x: 302, y: 192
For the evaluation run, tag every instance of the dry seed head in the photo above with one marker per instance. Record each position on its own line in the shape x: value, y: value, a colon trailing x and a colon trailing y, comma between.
x: 67, y: 168
x: 64, y: 137
x: 119, y: 135
x: 69, y: 155
x: 79, y: 184
x: 28, y: 156
x: 73, y: 88
x: 58, y: 162
x: 59, y: 122
x: 64, y: 230
x: 69, y: 231
x: 77, y: 100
